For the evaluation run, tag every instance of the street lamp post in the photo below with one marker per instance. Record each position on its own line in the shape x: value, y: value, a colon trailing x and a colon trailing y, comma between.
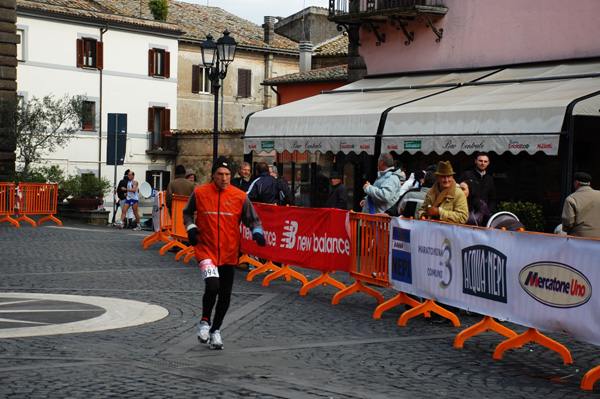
x: 217, y: 57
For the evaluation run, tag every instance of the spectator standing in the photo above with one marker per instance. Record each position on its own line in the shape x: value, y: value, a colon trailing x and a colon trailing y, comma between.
x: 385, y: 191
x: 581, y: 212
x: 482, y: 181
x: 131, y: 201
x: 285, y: 193
x: 479, y: 213
x: 445, y: 201
x: 179, y: 185
x: 264, y: 187
x: 191, y: 176
x: 243, y: 181
x: 338, y: 193
x: 122, y: 195
x: 215, y: 234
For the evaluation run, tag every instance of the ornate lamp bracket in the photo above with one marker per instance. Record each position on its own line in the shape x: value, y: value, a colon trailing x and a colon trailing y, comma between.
x: 401, y: 25
x: 438, y: 32
x: 352, y: 34
x: 371, y: 27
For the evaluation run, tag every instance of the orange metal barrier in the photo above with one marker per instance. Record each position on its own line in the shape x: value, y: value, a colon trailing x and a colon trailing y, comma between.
x: 7, y: 203
x: 178, y: 232
x: 164, y: 231
x: 38, y: 199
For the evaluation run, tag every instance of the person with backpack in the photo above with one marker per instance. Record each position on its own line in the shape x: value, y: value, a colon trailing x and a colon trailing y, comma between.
x: 385, y: 191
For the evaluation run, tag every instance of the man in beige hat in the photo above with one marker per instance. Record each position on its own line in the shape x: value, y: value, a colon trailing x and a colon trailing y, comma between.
x: 445, y: 201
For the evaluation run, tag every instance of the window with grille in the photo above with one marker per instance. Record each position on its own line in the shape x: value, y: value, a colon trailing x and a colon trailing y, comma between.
x: 88, y: 120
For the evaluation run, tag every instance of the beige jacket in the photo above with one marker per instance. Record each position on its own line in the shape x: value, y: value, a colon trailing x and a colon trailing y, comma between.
x: 581, y: 213
x: 454, y: 207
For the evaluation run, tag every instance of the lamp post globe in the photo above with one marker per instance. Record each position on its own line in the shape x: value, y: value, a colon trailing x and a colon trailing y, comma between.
x: 217, y: 57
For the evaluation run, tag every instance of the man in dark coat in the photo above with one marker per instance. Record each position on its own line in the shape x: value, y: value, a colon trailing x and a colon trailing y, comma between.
x: 264, y: 187
x: 244, y: 180
x: 338, y: 193
x: 483, y: 182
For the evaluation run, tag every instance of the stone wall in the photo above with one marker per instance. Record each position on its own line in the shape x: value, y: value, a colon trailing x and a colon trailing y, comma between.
x: 8, y: 73
x: 196, y: 151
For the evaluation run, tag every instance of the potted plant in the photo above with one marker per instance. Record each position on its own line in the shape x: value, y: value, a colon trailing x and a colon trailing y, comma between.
x: 86, y: 191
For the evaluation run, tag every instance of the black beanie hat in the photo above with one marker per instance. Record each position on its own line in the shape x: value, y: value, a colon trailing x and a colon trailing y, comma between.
x: 221, y: 162
x: 180, y: 170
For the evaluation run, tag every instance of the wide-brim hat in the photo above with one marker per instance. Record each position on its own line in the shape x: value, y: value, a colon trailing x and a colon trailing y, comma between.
x: 444, y: 169
x: 334, y: 175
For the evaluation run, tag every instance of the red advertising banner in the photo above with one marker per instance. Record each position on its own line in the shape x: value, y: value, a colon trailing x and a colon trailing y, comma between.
x: 313, y: 238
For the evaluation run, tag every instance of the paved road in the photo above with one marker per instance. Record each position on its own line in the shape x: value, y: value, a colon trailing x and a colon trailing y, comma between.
x: 277, y: 344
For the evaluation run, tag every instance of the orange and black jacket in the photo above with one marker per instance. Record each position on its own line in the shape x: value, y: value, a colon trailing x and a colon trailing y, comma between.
x: 218, y: 216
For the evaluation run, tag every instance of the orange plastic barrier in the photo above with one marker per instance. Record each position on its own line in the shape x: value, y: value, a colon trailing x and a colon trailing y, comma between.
x: 533, y: 335
x: 369, y: 255
x: 38, y: 199
x: 178, y: 232
x: 7, y: 203
x: 164, y: 231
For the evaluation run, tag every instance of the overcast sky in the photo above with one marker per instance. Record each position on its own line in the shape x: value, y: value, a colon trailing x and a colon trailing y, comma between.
x: 256, y: 10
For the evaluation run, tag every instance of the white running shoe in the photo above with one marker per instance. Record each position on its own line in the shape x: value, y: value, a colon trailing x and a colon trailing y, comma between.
x: 137, y: 228
x: 215, y: 340
x: 203, y: 332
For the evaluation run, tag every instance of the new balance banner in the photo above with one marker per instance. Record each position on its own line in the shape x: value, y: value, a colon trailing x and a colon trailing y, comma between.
x: 314, y: 238
x: 537, y: 280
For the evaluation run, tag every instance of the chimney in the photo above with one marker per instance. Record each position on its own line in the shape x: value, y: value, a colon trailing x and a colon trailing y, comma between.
x: 305, y: 56
x: 269, y: 27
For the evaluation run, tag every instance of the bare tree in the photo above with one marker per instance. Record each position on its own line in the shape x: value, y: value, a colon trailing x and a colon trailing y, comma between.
x: 41, y: 126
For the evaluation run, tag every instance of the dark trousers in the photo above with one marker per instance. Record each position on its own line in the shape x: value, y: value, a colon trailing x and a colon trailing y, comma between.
x: 220, y: 287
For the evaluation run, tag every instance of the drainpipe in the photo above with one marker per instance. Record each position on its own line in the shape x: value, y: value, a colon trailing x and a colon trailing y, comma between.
x: 102, y: 32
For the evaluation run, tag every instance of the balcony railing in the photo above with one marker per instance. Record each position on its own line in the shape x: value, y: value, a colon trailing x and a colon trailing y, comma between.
x: 370, y: 14
x: 339, y: 8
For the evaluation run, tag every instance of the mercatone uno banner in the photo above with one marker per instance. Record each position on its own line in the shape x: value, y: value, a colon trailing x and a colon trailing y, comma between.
x: 542, y: 281
x: 314, y: 238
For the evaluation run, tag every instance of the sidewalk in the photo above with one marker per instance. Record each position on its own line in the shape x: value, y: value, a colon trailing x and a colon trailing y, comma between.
x: 278, y: 344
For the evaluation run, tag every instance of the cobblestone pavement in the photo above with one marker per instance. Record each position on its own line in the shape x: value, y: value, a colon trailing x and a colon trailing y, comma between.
x: 278, y: 344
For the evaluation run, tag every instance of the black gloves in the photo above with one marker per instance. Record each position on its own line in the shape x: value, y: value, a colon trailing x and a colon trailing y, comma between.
x: 259, y: 238
x: 192, y: 236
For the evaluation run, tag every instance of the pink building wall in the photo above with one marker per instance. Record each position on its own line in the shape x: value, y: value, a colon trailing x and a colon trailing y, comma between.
x: 481, y: 33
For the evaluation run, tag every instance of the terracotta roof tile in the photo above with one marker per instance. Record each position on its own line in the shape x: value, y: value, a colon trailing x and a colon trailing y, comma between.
x: 197, y: 21
x: 339, y: 72
x: 91, y: 10
x: 336, y: 46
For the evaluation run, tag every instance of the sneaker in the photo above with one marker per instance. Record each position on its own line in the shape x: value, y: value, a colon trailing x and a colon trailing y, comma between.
x: 121, y: 225
x: 137, y: 228
x: 215, y: 340
x: 203, y: 332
